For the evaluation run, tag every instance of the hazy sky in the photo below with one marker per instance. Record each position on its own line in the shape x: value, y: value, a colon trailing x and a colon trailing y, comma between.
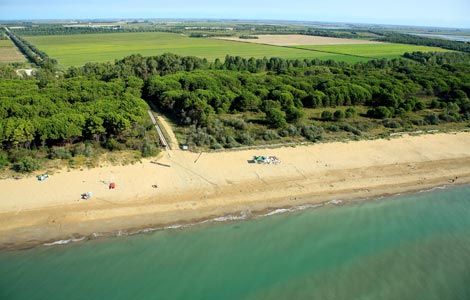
x: 448, y: 13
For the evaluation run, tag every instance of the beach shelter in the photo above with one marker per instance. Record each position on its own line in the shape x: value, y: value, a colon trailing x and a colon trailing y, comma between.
x: 112, y: 185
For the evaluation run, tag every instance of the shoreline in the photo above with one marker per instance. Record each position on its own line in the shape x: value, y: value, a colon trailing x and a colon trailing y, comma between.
x: 240, y: 216
x: 232, y: 217
x: 210, y: 186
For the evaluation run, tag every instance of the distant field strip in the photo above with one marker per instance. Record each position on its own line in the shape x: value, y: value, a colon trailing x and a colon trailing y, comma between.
x: 75, y: 50
x: 298, y: 39
x: 9, y: 53
x: 382, y: 50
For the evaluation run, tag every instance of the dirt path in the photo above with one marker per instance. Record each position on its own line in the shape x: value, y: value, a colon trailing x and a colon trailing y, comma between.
x: 173, y: 142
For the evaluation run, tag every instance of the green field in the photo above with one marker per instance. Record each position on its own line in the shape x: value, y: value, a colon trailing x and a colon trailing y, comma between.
x: 383, y: 50
x: 9, y: 53
x: 75, y: 50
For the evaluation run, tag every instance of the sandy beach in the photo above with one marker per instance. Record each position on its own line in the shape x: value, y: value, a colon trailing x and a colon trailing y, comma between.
x: 197, y: 186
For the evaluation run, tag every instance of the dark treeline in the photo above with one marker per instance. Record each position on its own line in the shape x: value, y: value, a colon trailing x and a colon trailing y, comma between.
x: 66, y: 30
x: 33, y: 54
x: 400, y: 38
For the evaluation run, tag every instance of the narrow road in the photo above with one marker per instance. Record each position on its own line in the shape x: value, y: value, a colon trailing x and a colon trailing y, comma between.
x: 173, y: 141
x: 163, y: 141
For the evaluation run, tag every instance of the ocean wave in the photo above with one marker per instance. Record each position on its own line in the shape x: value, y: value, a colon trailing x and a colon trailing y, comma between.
x: 335, y: 202
x: 290, y: 209
x: 441, y: 187
x: 64, y: 242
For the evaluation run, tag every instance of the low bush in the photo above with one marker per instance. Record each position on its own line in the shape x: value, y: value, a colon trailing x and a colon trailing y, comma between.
x: 27, y: 165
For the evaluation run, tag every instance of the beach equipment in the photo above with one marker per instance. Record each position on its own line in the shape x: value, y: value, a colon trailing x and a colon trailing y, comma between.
x: 112, y: 185
x: 86, y: 195
x: 43, y: 177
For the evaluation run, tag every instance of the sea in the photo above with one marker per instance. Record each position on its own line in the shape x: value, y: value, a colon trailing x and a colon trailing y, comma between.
x: 413, y: 246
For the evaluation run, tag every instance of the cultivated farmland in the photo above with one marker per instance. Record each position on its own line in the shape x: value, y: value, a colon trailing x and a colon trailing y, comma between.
x: 75, y: 50
x: 379, y: 50
x: 78, y: 49
x: 297, y: 39
x: 9, y: 53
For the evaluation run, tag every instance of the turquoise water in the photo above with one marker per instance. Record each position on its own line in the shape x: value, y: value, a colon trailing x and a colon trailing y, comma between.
x: 409, y: 247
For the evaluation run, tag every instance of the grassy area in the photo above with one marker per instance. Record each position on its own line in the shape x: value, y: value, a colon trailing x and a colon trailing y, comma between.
x: 382, y: 50
x: 76, y: 50
x: 9, y: 53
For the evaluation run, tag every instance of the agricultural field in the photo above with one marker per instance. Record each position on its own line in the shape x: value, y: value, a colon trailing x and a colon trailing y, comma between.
x: 298, y: 39
x: 378, y: 50
x: 9, y: 53
x: 78, y: 49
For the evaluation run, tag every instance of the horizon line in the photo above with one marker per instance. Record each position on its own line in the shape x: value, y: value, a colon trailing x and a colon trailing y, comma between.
x: 227, y: 19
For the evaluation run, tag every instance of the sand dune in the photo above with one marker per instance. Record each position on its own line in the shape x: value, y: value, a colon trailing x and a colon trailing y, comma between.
x: 198, y: 186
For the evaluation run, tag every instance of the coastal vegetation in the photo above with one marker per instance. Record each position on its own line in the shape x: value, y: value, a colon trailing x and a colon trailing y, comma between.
x: 70, y: 118
x: 258, y: 95
x: 230, y: 103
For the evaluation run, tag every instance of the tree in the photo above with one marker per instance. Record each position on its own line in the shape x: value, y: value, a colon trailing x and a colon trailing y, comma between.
x: 276, y: 117
x: 338, y: 115
x: 326, y: 115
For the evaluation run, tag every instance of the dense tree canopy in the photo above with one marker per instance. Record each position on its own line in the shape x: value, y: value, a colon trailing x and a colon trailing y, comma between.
x: 74, y: 110
x: 233, y: 102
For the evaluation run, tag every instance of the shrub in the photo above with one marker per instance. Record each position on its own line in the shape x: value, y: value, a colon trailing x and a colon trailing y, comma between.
x: 432, y: 119
x: 333, y: 128
x: 338, y: 115
x: 312, y: 132
x: 290, y: 130
x: 231, y: 142
x: 270, y: 135
x: 419, y: 105
x: 391, y: 123
x: 27, y: 165
x: 18, y: 154
x: 3, y: 158
x: 380, y: 112
x: 149, y: 149
x: 293, y: 114
x: 418, y: 122
x: 350, y: 112
x: 60, y: 153
x: 327, y: 115
x: 276, y: 117
x: 235, y: 123
x: 217, y: 146
x: 351, y: 129
x: 112, y: 144
x: 448, y: 117
x: 245, y: 139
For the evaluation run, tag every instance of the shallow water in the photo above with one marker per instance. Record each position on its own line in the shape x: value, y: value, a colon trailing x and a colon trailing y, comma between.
x: 408, y: 247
